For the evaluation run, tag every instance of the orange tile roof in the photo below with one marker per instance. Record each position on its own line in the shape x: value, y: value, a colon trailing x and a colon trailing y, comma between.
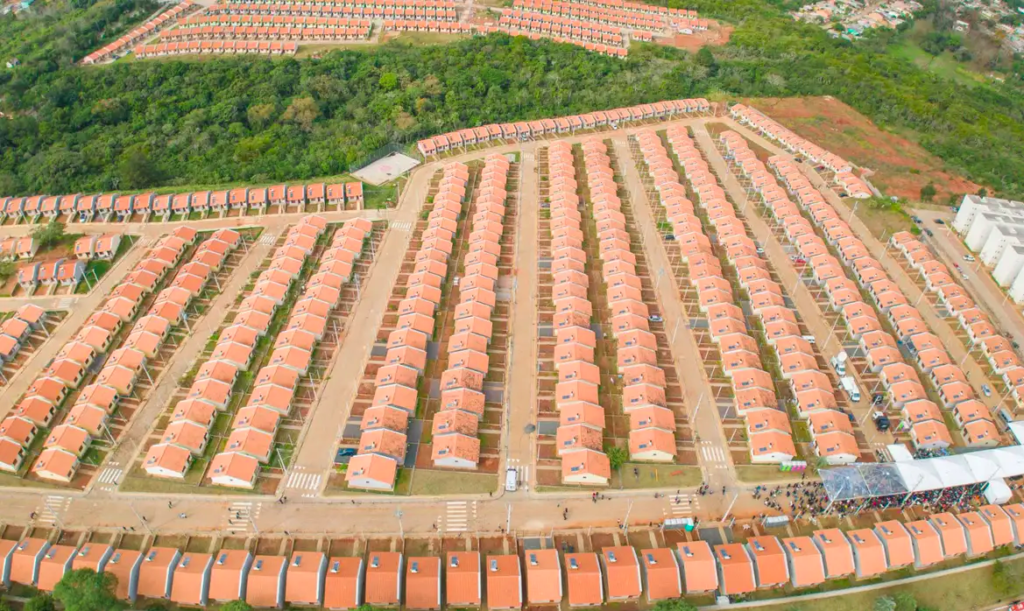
x: 464, y: 581
x: 265, y: 584
x: 869, y: 554
x: 927, y: 543
x: 304, y: 578
x: 423, y: 583
x: 543, y: 577
x: 383, y: 578
x: 698, y: 566
x: 737, y: 569
x: 583, y: 574
x: 504, y: 582
x: 999, y: 523
x: 227, y: 574
x: 899, y: 550
x: 188, y: 587
x: 662, y: 579
x: 805, y: 561
x: 54, y: 563
x: 954, y: 538
x: 123, y: 564
x: 155, y: 572
x: 769, y: 561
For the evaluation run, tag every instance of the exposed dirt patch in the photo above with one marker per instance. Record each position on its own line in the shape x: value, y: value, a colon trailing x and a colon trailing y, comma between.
x: 716, y: 34
x: 895, y: 165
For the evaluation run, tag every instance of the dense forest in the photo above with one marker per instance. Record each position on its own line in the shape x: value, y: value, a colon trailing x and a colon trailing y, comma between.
x: 140, y: 124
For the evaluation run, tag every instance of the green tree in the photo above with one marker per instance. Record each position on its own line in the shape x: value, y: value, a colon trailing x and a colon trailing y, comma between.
x: 87, y: 590
x: 677, y: 604
x: 260, y: 115
x: 884, y: 603
x: 4, y: 606
x: 40, y: 602
x: 50, y: 234
x: 7, y: 269
x: 928, y: 192
x: 905, y: 601
x: 302, y: 112
x: 388, y: 81
x: 236, y: 605
x: 616, y: 457
x: 137, y: 169
x: 1005, y: 580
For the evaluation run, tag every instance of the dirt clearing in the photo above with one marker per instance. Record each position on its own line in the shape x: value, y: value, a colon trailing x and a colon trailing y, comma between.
x: 894, y: 164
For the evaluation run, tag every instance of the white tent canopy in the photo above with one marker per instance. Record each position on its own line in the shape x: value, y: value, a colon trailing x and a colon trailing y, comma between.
x: 883, y: 479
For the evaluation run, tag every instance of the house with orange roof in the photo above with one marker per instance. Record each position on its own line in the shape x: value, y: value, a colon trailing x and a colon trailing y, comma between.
x: 700, y: 571
x: 952, y: 532
x: 584, y: 578
x: 371, y: 472
x: 55, y: 463
x: 980, y: 434
x: 228, y: 574
x: 979, y: 536
x: 586, y: 467
x: 455, y: 450
x: 896, y: 541
x: 869, y: 553
x: 92, y: 556
x: 22, y: 566
x: 504, y: 582
x: 188, y: 435
x: 652, y: 444
x: 265, y: 583
x: 930, y: 435
x: 343, y: 583
x: 464, y: 585
x: 770, y: 566
x: 804, y: 560
x: 836, y: 552
x: 384, y: 578
x: 771, y: 447
x: 662, y: 579
x: 736, y: 573
x: 191, y: 580
x: 125, y: 566
x: 622, y: 569
x: 926, y: 542
x: 234, y: 469
x: 304, y: 579
x: 998, y: 523
x: 543, y: 577
x: 18, y: 430
x: 167, y: 460
x: 156, y: 573
x: 1016, y: 514
x: 423, y: 583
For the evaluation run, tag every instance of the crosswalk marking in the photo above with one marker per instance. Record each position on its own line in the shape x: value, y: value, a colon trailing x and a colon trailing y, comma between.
x: 65, y: 304
x: 457, y: 515
x: 268, y: 239
x: 304, y: 481
x: 681, y: 506
x: 241, y: 516
x: 401, y: 225
x: 110, y: 475
x: 52, y: 508
x: 712, y: 453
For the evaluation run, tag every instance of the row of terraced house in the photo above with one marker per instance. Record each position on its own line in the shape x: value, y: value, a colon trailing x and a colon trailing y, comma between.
x: 531, y: 578
x: 87, y: 419
x: 532, y: 130
x: 382, y: 443
x: 113, y: 206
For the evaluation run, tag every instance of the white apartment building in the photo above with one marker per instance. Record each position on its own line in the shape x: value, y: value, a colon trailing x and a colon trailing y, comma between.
x: 1000, y: 238
x: 973, y: 206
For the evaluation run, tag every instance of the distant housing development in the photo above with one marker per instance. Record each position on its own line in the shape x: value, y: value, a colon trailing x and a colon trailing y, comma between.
x: 994, y: 228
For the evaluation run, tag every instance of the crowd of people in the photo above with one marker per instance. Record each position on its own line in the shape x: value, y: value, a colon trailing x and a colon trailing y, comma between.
x: 810, y: 500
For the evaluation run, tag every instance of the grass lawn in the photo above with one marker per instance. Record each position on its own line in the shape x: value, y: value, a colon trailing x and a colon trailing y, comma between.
x: 656, y: 476
x: 944, y: 65
x: 427, y: 38
x: 429, y: 482
x: 756, y: 474
x: 956, y: 592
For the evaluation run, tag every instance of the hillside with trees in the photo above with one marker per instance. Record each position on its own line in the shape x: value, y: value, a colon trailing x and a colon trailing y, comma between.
x: 142, y: 124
